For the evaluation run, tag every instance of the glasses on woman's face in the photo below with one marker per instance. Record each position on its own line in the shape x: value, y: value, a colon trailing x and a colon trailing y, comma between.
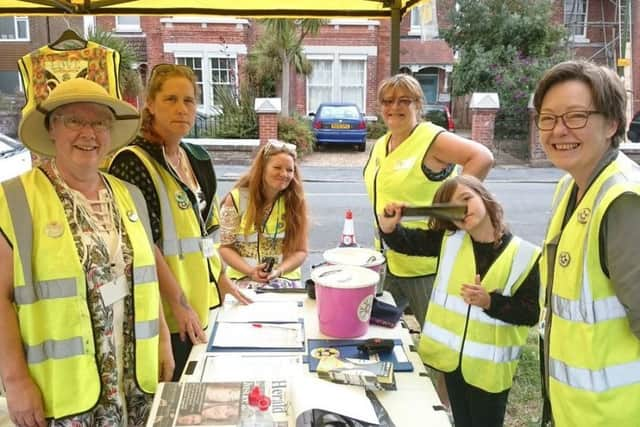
x: 76, y: 124
x: 275, y: 147
x: 403, y: 101
x: 168, y: 68
x: 570, y: 119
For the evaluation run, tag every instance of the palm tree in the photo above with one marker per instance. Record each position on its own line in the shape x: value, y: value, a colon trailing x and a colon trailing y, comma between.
x: 281, y: 48
x: 130, y: 81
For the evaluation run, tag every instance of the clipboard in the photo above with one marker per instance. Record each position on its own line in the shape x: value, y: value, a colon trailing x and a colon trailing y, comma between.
x: 349, y: 349
x: 259, y: 328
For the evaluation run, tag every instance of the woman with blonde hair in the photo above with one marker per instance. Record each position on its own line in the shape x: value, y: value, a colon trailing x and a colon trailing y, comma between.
x: 179, y: 185
x: 265, y: 216
x: 408, y: 164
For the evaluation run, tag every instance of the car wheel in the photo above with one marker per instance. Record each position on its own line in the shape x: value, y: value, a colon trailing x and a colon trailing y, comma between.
x: 362, y: 147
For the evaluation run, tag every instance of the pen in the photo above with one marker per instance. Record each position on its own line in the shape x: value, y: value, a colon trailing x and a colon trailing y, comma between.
x: 271, y: 325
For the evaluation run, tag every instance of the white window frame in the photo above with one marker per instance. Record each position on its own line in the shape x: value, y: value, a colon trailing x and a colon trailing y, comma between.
x: 416, y: 22
x: 127, y: 28
x: 200, y: 83
x: 336, y: 86
x: 582, y: 37
x: 231, y: 83
x: 16, y: 20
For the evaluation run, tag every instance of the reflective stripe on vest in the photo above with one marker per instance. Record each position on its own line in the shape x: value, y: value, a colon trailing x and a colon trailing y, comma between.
x: 51, y: 349
x: 147, y: 329
x: 488, y: 352
x: 456, y: 304
x: 597, y: 381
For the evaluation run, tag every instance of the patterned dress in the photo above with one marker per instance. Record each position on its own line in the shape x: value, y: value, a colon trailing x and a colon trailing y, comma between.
x: 121, y: 402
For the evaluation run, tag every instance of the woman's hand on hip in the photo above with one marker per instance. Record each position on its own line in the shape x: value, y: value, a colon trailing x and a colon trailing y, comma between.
x: 390, y: 216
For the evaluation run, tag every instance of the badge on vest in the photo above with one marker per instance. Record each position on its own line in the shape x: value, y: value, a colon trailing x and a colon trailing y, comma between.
x: 583, y: 215
x: 132, y: 215
x: 54, y: 229
x: 182, y: 199
x: 207, y: 247
x: 114, y: 291
x: 564, y: 259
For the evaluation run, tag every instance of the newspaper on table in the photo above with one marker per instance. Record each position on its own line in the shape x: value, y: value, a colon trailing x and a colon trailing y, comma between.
x: 293, y: 403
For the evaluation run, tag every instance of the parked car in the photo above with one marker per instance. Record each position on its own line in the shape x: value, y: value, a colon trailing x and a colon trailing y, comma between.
x: 633, y: 134
x: 438, y: 114
x: 339, y: 123
x: 14, y: 158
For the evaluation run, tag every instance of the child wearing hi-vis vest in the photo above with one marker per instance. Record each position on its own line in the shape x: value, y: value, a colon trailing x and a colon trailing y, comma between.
x: 484, y: 297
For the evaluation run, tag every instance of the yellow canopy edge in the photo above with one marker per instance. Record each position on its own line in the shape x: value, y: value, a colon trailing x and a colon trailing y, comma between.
x: 245, y: 8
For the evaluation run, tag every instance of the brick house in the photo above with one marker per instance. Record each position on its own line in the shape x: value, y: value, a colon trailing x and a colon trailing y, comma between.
x: 350, y: 56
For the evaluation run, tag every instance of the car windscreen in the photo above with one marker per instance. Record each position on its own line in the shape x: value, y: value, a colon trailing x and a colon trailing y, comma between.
x: 339, y: 112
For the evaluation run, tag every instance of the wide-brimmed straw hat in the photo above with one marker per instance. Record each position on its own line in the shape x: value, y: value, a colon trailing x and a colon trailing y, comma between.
x: 35, y: 135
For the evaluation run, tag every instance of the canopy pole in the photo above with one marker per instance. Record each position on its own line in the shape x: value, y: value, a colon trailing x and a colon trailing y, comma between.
x: 396, y: 16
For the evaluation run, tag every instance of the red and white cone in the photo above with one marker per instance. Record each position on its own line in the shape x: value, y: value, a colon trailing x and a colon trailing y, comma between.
x: 348, y: 238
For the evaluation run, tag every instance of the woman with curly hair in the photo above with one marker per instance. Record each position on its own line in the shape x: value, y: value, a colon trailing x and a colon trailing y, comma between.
x: 265, y: 216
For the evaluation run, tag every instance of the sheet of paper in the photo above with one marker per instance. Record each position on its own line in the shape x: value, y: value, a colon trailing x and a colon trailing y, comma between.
x: 314, y: 393
x: 249, y: 367
x: 259, y: 335
x: 261, y: 311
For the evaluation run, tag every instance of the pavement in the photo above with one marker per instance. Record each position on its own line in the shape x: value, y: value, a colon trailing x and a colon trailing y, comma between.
x: 345, y: 164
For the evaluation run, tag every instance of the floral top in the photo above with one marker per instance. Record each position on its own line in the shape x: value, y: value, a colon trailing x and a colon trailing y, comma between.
x: 113, y: 325
x: 267, y: 244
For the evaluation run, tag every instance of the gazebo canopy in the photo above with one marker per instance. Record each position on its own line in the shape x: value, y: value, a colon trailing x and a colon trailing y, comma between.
x: 393, y: 9
x: 248, y: 8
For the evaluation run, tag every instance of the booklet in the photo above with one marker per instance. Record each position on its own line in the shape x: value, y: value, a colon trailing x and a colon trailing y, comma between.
x: 226, y: 404
x: 370, y: 374
x: 348, y: 349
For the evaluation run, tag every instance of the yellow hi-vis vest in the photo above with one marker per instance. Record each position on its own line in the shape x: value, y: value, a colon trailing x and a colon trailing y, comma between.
x: 50, y: 293
x: 594, y: 358
x: 274, y: 230
x: 490, y: 347
x: 182, y: 243
x: 44, y: 68
x: 398, y: 177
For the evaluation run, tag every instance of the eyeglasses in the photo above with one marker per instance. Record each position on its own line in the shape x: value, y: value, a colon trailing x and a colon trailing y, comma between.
x: 570, y: 119
x: 168, y: 68
x: 274, y: 146
x: 76, y: 124
x: 403, y: 102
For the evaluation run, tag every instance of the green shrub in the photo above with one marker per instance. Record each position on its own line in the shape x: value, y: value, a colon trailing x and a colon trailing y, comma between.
x: 376, y: 129
x: 296, y: 130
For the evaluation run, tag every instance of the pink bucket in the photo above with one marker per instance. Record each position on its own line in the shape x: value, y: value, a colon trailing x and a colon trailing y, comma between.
x: 344, y: 297
x: 361, y: 257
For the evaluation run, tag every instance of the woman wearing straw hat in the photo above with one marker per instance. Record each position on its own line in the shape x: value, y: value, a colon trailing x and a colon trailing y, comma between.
x: 179, y: 187
x: 83, y: 337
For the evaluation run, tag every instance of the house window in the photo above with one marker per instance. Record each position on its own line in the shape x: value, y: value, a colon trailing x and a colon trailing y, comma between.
x: 196, y: 65
x: 336, y: 79
x: 14, y: 28
x: 222, y: 72
x: 352, y: 81
x: 575, y: 18
x: 320, y: 83
x: 416, y: 19
x: 128, y: 23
